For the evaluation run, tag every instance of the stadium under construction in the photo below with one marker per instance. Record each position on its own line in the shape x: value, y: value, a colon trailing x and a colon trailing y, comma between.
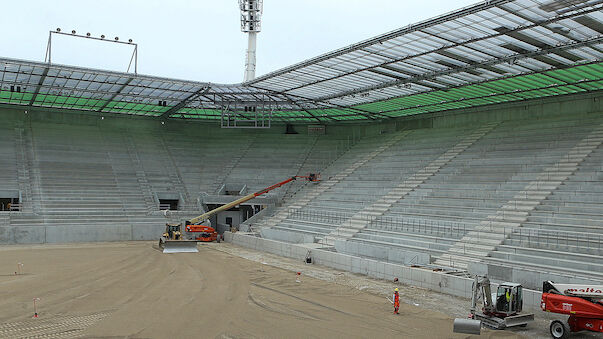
x: 462, y: 145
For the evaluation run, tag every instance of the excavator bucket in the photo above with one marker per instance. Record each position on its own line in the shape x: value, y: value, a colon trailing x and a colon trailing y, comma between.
x: 178, y: 246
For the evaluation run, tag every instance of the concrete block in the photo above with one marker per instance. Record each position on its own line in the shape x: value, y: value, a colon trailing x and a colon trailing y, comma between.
x: 458, y: 285
x: 22, y: 234
x: 227, y: 236
x: 528, y: 279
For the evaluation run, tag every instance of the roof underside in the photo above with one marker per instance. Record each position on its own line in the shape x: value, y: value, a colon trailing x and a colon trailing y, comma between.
x: 492, y: 52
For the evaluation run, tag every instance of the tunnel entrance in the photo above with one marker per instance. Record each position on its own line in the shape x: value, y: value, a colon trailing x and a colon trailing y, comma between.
x: 9, y: 204
x: 168, y: 204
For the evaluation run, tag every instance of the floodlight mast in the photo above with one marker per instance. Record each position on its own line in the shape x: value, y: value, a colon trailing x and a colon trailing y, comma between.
x: 251, y: 14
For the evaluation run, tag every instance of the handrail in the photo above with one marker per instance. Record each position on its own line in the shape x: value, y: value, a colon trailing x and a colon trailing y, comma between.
x: 385, y: 223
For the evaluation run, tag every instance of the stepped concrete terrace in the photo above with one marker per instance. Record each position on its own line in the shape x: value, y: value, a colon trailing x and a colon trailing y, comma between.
x: 346, y: 169
x: 359, y: 221
x: 202, y: 160
x: 538, y: 186
x: 461, y: 194
x: 566, y: 228
x: 364, y: 174
x: 271, y: 159
x: 520, y: 176
x: 10, y: 168
x: 93, y: 182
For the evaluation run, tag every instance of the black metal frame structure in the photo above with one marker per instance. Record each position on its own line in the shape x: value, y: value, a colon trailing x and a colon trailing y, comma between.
x: 544, y: 47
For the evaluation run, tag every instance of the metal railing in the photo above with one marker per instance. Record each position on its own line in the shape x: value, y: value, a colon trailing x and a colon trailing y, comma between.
x: 391, y: 224
x: 334, y: 218
x: 535, y: 237
x: 420, y: 226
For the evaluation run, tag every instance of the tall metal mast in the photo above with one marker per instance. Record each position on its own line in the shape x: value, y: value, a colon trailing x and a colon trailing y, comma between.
x: 251, y: 13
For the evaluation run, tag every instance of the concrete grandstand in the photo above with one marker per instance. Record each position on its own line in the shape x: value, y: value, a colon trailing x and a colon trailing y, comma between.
x: 469, y: 144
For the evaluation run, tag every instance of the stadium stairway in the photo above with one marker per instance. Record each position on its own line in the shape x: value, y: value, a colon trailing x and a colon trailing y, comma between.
x: 141, y: 179
x: 231, y: 164
x: 28, y: 172
x: 497, y: 227
x: 358, y: 161
x: 174, y: 175
x: 360, y: 220
x: 10, y: 161
x: 264, y: 164
x: 304, y: 166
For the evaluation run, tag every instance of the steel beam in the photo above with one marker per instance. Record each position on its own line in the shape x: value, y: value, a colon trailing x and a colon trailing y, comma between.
x: 115, y: 94
x: 184, y: 102
x: 464, y: 43
x: 37, y: 90
x: 473, y: 66
x: 484, y: 5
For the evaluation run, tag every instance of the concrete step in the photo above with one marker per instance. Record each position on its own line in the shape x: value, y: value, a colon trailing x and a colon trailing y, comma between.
x: 498, y: 224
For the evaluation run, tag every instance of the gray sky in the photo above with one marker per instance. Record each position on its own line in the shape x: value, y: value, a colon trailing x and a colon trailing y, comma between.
x: 201, y: 39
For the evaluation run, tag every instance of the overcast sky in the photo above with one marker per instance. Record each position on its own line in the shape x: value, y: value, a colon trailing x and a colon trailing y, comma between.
x: 201, y: 39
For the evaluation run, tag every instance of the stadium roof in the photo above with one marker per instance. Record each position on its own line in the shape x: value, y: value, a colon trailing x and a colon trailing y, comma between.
x: 492, y: 52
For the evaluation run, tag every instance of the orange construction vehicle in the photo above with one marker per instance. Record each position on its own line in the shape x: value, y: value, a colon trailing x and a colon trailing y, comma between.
x: 583, y: 304
x: 208, y: 233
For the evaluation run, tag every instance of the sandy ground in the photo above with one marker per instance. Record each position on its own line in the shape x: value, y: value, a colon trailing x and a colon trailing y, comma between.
x: 416, y: 296
x: 119, y: 290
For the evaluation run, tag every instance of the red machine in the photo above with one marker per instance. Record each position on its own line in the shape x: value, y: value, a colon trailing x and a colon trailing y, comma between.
x: 583, y: 304
x: 208, y: 233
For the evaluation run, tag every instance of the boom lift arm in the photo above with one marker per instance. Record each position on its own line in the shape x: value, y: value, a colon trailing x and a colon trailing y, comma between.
x: 205, y: 216
x: 172, y: 240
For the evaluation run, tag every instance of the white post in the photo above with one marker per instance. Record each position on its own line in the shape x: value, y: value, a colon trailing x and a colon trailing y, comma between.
x: 250, y: 58
x: 251, y: 14
x: 35, y: 307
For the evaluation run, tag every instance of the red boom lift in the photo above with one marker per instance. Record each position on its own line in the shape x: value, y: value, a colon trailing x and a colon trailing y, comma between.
x: 583, y: 304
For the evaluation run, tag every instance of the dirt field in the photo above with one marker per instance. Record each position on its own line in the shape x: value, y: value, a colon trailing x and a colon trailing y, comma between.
x: 132, y: 290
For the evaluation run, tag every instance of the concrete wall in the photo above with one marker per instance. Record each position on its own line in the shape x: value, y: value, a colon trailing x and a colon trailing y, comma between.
x: 284, y: 236
x: 80, y: 233
x: 381, y: 252
x: 435, y: 281
x: 575, y: 105
x: 236, y: 216
x: 527, y: 278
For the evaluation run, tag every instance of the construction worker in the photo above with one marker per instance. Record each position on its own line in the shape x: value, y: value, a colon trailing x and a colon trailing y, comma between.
x: 396, y: 300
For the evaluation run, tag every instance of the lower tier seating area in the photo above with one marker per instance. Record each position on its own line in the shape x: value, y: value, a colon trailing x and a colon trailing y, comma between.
x: 559, y: 230
x: 97, y: 182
